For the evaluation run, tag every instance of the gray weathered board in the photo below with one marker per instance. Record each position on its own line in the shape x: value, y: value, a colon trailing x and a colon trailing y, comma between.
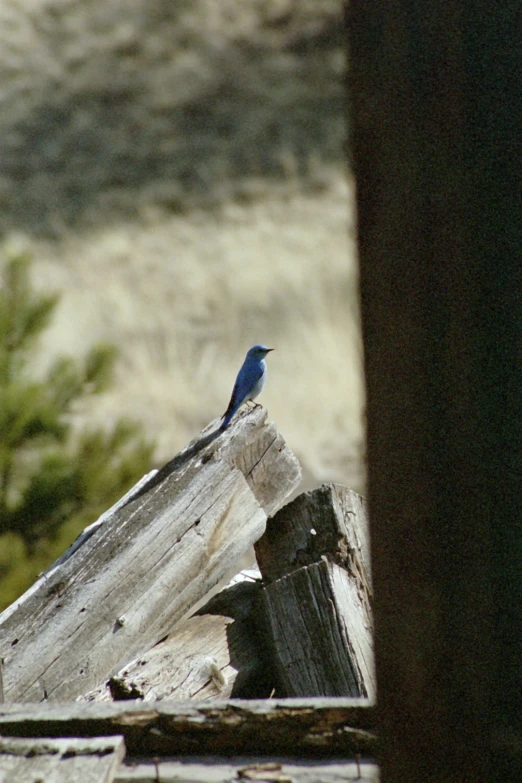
x: 320, y: 632
x: 308, y: 728
x: 315, y: 562
x: 214, y: 654
x: 123, y: 589
x: 331, y: 520
x: 316, y: 624
x: 94, y: 760
x: 218, y: 770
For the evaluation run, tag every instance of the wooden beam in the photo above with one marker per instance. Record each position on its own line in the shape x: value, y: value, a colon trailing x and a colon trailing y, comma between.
x: 146, y: 564
x: 265, y: 770
x: 320, y: 632
x: 315, y: 561
x: 436, y: 107
x: 302, y: 727
x: 329, y: 521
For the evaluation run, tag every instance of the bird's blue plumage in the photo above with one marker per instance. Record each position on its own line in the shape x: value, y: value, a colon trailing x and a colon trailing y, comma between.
x: 250, y: 381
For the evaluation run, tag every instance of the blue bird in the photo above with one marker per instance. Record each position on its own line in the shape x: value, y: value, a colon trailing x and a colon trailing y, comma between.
x: 249, y: 382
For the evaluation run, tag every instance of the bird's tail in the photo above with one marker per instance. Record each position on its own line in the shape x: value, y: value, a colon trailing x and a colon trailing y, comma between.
x: 230, y: 411
x: 226, y: 419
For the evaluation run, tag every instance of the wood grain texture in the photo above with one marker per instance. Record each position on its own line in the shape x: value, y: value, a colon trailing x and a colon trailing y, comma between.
x: 321, y: 632
x: 264, y: 459
x: 213, y: 655
x: 60, y: 760
x: 218, y: 770
x: 150, y: 561
x: 331, y: 520
x: 308, y: 727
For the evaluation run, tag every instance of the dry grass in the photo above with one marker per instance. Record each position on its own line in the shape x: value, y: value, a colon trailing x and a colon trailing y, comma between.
x: 185, y: 296
x: 105, y: 106
x: 187, y: 160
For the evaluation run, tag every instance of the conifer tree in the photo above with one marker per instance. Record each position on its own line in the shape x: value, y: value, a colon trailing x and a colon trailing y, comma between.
x: 51, y: 474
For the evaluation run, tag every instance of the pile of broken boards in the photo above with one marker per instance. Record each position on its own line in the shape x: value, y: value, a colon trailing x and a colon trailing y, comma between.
x: 298, y: 626
x: 119, y: 616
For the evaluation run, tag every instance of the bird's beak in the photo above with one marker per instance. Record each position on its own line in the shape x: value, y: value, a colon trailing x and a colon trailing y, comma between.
x: 271, y: 349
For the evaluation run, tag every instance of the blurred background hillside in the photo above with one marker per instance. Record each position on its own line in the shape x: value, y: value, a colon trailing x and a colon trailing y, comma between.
x: 178, y: 172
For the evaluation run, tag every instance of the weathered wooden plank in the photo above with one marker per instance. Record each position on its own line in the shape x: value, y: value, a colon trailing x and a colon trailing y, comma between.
x: 304, y: 727
x: 128, y: 583
x: 191, y: 664
x: 154, y: 558
x: 321, y: 632
x: 214, y: 654
x: 217, y: 770
x: 250, y: 444
x: 60, y: 760
x: 266, y: 462
x: 331, y: 520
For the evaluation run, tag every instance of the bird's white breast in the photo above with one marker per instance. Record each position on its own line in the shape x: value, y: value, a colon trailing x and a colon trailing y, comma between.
x: 258, y: 388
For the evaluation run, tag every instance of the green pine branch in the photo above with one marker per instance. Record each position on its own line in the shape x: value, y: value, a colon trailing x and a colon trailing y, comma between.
x: 52, y: 479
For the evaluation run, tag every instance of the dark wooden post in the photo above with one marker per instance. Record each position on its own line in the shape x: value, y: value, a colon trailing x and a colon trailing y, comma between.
x: 437, y: 142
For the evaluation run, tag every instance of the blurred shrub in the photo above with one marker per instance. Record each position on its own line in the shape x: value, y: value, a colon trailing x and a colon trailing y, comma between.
x: 53, y: 479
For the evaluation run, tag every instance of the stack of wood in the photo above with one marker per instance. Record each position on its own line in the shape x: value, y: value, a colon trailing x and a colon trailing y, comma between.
x: 277, y: 741
x: 125, y: 615
x: 119, y: 616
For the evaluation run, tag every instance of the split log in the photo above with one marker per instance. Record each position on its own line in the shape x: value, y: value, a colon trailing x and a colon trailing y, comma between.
x: 315, y: 559
x: 331, y: 520
x: 216, y: 654
x: 60, y: 760
x: 310, y: 728
x: 123, y: 589
x: 320, y: 633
